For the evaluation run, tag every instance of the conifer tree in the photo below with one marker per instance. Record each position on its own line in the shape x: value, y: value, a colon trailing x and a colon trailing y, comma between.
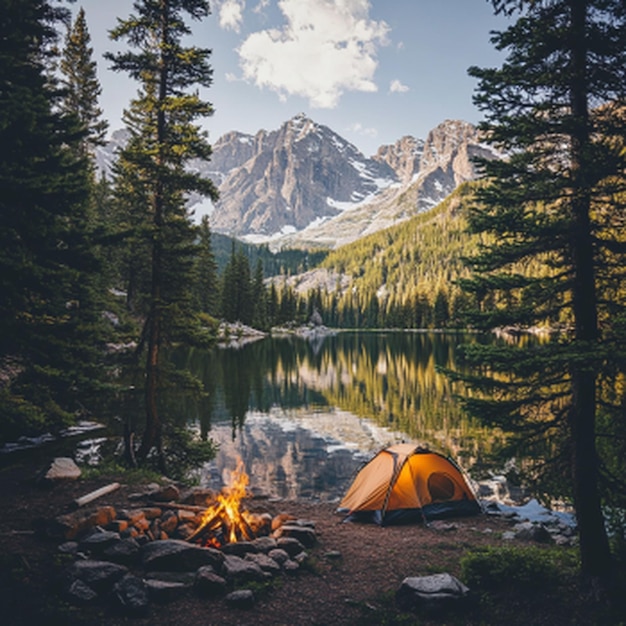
x: 82, y: 88
x: 556, y: 109
x: 49, y: 320
x: 165, y: 140
x: 206, y: 286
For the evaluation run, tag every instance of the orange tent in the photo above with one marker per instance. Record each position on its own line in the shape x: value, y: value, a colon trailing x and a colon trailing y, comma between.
x: 406, y: 483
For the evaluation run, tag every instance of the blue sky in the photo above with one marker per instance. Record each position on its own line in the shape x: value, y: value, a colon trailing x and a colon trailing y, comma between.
x: 372, y: 70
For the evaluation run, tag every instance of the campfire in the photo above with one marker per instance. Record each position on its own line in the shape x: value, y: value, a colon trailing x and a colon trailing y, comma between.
x: 225, y: 521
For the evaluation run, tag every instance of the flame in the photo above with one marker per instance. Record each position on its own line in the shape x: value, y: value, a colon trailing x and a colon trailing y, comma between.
x: 225, y: 517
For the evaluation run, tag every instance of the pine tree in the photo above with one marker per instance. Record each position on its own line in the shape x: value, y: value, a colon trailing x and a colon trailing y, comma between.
x: 82, y: 88
x: 49, y: 319
x: 166, y: 139
x: 556, y: 108
x: 206, y: 287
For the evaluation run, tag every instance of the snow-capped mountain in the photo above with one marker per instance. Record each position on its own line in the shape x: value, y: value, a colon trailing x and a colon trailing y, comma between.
x: 303, y: 184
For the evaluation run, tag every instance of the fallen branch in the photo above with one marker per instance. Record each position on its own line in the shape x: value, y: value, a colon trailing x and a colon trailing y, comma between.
x: 94, y: 495
x: 182, y: 507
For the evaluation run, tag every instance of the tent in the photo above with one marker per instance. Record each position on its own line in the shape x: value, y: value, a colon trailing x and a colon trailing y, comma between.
x: 406, y: 483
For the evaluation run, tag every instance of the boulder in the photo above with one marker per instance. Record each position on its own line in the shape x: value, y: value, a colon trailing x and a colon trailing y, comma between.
x: 239, y: 570
x: 97, y: 542
x: 131, y: 594
x: 163, y: 591
x: 290, y: 545
x: 430, y: 593
x: 529, y: 531
x: 266, y: 563
x: 241, y: 599
x: 177, y: 555
x: 208, y: 584
x: 304, y: 534
x: 62, y: 468
x: 80, y: 593
x: 125, y: 551
x: 99, y: 575
x: 240, y: 548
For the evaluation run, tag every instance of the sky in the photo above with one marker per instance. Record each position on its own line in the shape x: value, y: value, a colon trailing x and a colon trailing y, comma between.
x: 372, y: 70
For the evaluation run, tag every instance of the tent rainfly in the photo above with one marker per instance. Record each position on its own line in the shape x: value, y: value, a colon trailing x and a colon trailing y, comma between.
x: 406, y: 483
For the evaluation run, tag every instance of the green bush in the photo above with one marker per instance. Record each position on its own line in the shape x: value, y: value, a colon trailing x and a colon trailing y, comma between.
x: 493, y: 569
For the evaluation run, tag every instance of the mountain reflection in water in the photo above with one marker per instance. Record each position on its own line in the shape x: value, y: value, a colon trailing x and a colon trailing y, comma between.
x: 305, y: 417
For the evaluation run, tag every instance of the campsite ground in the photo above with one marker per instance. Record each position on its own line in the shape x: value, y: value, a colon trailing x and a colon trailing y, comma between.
x: 356, y: 587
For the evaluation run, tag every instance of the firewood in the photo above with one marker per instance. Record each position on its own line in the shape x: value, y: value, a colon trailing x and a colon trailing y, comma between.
x: 183, y: 507
x: 203, y: 527
x: 94, y: 495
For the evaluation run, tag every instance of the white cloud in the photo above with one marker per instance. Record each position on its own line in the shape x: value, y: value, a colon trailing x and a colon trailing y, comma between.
x: 325, y: 48
x: 231, y: 14
x: 396, y: 86
x: 263, y: 4
x: 358, y: 128
x: 230, y: 77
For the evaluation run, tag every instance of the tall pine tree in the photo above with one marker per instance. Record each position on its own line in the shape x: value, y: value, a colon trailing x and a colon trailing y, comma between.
x: 49, y: 346
x: 82, y: 88
x: 556, y: 109
x: 166, y: 139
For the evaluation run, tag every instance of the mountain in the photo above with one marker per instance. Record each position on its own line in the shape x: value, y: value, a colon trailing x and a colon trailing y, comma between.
x: 304, y: 186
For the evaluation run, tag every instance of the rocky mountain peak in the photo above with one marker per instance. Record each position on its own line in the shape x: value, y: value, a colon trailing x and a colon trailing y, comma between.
x: 404, y: 157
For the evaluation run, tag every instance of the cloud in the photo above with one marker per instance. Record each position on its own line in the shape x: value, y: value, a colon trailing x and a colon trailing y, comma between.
x: 325, y: 48
x: 263, y: 4
x: 396, y: 86
x: 231, y: 14
x: 359, y: 129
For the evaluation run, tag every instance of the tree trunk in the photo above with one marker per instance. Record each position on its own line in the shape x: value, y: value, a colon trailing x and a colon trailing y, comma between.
x: 594, y: 547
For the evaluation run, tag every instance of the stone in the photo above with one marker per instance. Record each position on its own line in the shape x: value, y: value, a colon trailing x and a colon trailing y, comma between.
x: 305, y: 535
x: 333, y: 555
x: 68, y: 547
x: 266, y: 563
x: 290, y: 567
x: 162, y: 591
x: 131, y: 594
x: 237, y: 569
x: 241, y: 599
x: 177, y: 555
x: 265, y: 544
x: 431, y: 593
x: 168, y: 493
x: 80, y: 593
x: 186, y: 578
x: 279, y: 555
x: 62, y: 468
x: 240, y: 548
x: 528, y: 531
x: 198, y: 497
x: 125, y: 551
x: 99, y: 575
x: 290, y: 545
x: 208, y: 584
x: 97, y: 542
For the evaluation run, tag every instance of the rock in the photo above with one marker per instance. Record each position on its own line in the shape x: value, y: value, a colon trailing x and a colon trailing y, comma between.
x: 165, y: 494
x: 186, y: 578
x: 237, y: 569
x: 132, y: 595
x: 333, y: 555
x: 279, y: 555
x: 99, y: 575
x: 97, y: 542
x: 80, y: 593
x: 62, y: 468
x: 241, y: 599
x: 198, y: 497
x: 125, y: 551
x: 68, y: 547
x: 266, y: 563
x: 431, y: 593
x: 290, y: 567
x: 162, y: 591
x: 305, y: 535
x: 290, y: 545
x: 442, y: 525
x: 208, y: 584
x: 528, y: 531
x: 240, y: 548
x: 177, y: 555
x: 265, y: 544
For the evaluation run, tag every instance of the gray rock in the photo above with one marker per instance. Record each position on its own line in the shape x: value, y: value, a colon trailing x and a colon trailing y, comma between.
x: 290, y: 545
x: 208, y: 584
x: 125, y: 551
x: 237, y: 569
x: 62, y: 468
x: 241, y: 599
x: 68, y: 547
x: 266, y: 563
x: 177, y: 555
x: 528, y: 531
x: 131, y: 594
x: 80, y: 593
x: 99, y: 575
x: 265, y: 544
x: 279, y: 555
x: 304, y: 534
x: 291, y: 567
x: 185, y: 578
x: 240, y: 548
x: 165, y: 494
x: 432, y: 593
x: 98, y: 542
x: 162, y: 591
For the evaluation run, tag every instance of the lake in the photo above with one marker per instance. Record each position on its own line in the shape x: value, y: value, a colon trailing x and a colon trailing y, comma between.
x: 304, y: 415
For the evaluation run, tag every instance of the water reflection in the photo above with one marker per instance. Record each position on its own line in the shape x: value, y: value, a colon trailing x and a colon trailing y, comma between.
x: 303, y: 417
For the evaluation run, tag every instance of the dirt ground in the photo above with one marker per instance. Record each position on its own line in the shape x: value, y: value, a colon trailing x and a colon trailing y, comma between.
x: 355, y: 588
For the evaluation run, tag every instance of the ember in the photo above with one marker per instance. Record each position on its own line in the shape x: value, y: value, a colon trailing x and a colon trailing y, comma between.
x: 225, y: 521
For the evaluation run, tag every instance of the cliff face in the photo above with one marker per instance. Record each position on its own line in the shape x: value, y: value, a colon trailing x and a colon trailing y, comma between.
x: 305, y: 185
